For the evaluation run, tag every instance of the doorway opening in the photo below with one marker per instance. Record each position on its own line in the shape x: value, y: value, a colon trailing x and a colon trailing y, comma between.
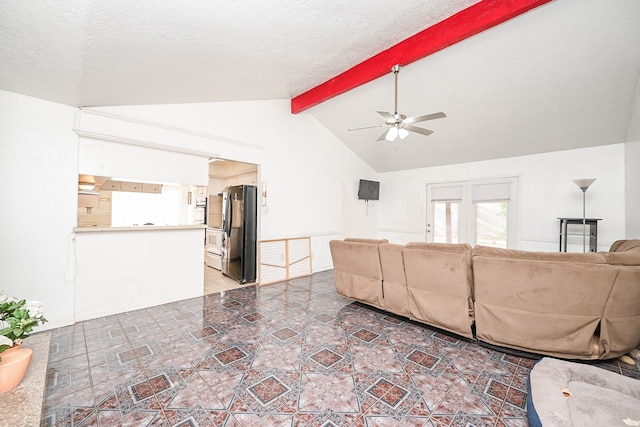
x: 223, y: 173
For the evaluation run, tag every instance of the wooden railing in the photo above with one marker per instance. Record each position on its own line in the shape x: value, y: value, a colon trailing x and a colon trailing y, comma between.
x: 280, y: 260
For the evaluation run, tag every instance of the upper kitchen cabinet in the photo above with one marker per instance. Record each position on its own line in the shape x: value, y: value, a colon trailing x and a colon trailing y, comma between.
x: 133, y: 187
x: 151, y: 188
x: 111, y: 186
x: 250, y: 178
x: 225, y: 173
x: 130, y: 186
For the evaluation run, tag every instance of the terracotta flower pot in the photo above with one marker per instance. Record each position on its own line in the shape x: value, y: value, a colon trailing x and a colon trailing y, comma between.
x: 14, y: 366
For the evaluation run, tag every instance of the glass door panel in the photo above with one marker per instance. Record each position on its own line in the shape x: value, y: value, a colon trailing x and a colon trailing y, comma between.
x: 446, y: 227
x: 491, y: 224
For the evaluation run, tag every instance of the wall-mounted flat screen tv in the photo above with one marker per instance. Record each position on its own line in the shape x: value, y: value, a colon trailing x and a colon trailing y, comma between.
x: 369, y: 190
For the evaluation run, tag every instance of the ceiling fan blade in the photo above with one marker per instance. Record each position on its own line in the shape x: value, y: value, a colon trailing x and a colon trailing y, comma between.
x: 416, y: 129
x: 424, y: 118
x: 367, y: 127
x: 386, y: 116
x: 384, y: 135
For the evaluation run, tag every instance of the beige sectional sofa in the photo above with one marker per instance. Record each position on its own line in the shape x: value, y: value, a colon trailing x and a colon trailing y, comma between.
x: 574, y: 306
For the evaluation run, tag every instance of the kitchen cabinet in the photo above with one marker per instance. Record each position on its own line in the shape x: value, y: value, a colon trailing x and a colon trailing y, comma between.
x: 215, y: 186
x: 229, y: 181
x: 100, y: 216
x: 250, y: 179
x: 135, y: 187
x: 130, y: 186
x: 151, y: 188
x: 111, y: 186
x: 243, y: 179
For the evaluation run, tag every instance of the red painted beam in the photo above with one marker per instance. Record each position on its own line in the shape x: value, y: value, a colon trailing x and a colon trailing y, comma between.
x: 464, y: 24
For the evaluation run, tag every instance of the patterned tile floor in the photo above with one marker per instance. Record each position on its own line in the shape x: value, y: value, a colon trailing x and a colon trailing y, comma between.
x: 292, y: 354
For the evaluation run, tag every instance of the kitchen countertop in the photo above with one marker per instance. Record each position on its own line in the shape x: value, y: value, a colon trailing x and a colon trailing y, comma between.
x: 140, y: 228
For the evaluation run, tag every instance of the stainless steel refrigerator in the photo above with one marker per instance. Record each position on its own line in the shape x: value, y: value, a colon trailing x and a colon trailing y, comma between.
x: 239, y: 232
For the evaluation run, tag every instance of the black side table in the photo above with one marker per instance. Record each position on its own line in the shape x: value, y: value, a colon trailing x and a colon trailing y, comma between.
x: 567, y: 231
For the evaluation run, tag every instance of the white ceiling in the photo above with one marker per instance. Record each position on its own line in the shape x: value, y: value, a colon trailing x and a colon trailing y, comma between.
x: 561, y: 76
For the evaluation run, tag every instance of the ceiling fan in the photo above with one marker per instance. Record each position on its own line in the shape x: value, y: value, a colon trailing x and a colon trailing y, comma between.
x: 399, y: 125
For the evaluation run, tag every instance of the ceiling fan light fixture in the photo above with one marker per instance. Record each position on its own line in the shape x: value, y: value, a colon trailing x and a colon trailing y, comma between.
x: 392, y: 134
x: 403, y: 133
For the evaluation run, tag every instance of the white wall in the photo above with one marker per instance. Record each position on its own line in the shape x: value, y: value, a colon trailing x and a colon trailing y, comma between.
x: 127, y: 270
x: 38, y: 189
x: 632, y: 170
x: 546, y: 193
x: 633, y: 189
x: 125, y: 161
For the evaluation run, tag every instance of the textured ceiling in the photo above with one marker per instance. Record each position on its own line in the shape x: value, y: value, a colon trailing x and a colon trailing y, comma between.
x: 142, y: 52
x: 562, y: 76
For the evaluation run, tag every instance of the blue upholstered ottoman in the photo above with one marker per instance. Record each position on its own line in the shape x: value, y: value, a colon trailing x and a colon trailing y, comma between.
x: 564, y: 394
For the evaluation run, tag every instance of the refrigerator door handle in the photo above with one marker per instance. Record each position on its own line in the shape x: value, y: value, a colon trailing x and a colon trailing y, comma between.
x: 230, y: 216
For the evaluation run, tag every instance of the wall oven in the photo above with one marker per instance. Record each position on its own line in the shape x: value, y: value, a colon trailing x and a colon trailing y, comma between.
x: 213, y: 248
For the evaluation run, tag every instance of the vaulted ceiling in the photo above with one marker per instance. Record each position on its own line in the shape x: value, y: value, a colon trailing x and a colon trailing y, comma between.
x: 562, y: 75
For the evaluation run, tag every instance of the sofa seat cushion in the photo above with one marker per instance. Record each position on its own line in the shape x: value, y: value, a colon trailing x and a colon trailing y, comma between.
x: 565, y: 394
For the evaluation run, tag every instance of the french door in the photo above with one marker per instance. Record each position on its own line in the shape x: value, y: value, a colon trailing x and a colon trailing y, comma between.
x: 482, y: 212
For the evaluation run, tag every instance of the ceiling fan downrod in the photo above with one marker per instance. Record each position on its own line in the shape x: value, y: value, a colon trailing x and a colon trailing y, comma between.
x: 395, y: 70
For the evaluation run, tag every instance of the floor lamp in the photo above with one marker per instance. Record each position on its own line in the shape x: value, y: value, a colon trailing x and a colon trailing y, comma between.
x: 584, y: 184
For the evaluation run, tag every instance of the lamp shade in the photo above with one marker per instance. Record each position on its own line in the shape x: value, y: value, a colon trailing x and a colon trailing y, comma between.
x: 584, y: 183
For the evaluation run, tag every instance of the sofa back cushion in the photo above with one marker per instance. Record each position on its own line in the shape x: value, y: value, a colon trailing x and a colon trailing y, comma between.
x: 587, y: 258
x: 359, y: 240
x: 439, y: 282
x: 625, y: 246
x: 454, y: 248
x: 630, y: 258
x: 357, y: 271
